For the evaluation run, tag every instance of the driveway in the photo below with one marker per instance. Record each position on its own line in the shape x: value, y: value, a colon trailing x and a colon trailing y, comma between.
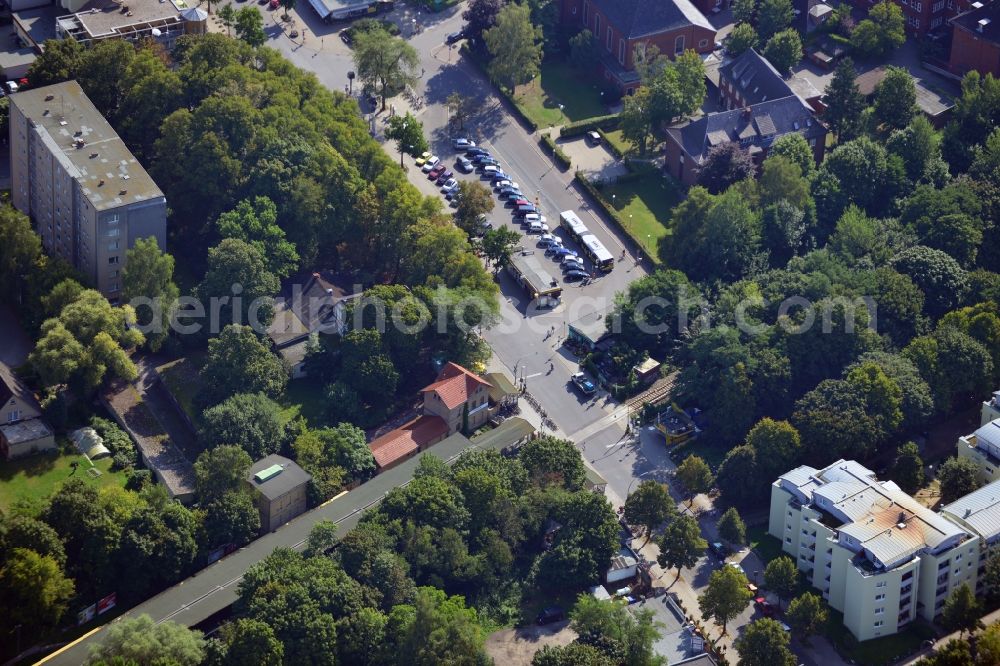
x: 16, y: 345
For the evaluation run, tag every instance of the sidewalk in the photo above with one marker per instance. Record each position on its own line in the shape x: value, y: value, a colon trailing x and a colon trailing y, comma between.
x: 987, y: 620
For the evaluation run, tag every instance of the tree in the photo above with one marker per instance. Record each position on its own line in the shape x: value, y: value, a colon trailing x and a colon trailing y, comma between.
x: 844, y: 102
x: 238, y: 362
x: 476, y: 200
x: 958, y: 477
x: 908, y: 469
x: 961, y: 610
x: 498, y: 244
x: 157, y: 546
x: 220, y: 471
x: 574, y: 654
x: 583, y: 547
x: 408, y: 133
x: 437, y: 629
x: 361, y: 638
x: 974, y: 119
x: 251, y: 642
x: 725, y: 164
x: 807, y: 614
x: 954, y: 653
x: 250, y: 26
x: 232, y: 518
x: 764, y: 643
x: 583, y: 51
x: 681, y: 544
x: 988, y: 645
x: 738, y: 477
x: 322, y: 538
x: 649, y: 506
x: 726, y: 596
x: 34, y: 589
x: 255, y: 221
x: 895, y: 98
x: 58, y: 62
x: 549, y: 460
x: 773, y: 16
x: 784, y: 50
x: 20, y: 248
x: 227, y: 14
x: 287, y: 5
x: 31, y: 534
x: 777, y: 444
x: 731, y: 527
x: 884, y: 30
x: 237, y: 267
x: 148, y: 275
x: 600, y: 622
x: 480, y: 16
x: 744, y: 11
x: 781, y: 576
x: 637, y: 118
x: 347, y: 446
x: 388, y: 64
x: 991, y: 577
x: 794, y: 148
x: 695, y: 475
x: 942, y: 279
x: 142, y: 641
x: 248, y: 420
x: 514, y: 45
x: 742, y: 38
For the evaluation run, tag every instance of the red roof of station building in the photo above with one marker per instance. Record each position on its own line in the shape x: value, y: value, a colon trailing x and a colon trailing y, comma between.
x: 407, y: 439
x: 455, y: 384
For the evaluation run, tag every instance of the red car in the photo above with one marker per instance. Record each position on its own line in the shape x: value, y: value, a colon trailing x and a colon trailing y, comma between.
x: 766, y: 609
x: 274, y: 4
x: 520, y: 202
x: 435, y: 172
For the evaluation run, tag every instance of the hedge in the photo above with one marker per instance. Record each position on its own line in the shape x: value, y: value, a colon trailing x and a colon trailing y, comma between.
x: 583, y: 126
x: 549, y: 146
x: 611, y: 146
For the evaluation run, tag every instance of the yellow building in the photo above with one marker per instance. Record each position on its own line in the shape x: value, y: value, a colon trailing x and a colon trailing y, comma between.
x: 877, y: 555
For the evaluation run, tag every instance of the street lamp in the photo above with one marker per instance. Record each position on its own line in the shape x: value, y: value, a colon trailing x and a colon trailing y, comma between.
x: 404, y: 125
x: 350, y: 83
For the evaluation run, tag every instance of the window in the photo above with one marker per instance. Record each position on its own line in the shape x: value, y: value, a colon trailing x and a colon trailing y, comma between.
x: 112, y: 246
x: 113, y: 219
x: 935, y: 23
x: 937, y: 6
x: 597, y: 25
x: 609, y: 39
x: 679, y: 45
x: 586, y: 12
x: 881, y: 583
x: 702, y: 44
x: 879, y: 623
x: 880, y: 610
x: 880, y: 597
x: 114, y: 287
x: 787, y: 539
x: 919, y: 6
x: 950, y: 4
x: 112, y: 260
x: 112, y: 233
x: 15, y: 415
x: 621, y: 51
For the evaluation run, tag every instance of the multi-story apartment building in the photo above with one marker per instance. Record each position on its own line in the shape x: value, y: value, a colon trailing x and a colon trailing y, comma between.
x: 89, y: 198
x: 983, y: 446
x: 979, y: 513
x: 877, y: 555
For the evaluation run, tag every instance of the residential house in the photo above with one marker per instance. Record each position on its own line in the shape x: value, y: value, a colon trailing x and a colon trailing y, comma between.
x: 460, y: 397
x: 623, y: 26
x: 22, y: 430
x: 923, y: 16
x: 754, y: 127
x: 750, y: 79
x: 313, y: 305
x: 975, y: 40
x: 88, y: 196
x: 407, y: 440
x: 280, y: 488
x: 877, y: 555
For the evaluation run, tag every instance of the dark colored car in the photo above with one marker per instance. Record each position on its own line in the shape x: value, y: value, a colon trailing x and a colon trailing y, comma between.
x: 453, y: 37
x: 444, y: 177
x: 524, y: 209
x: 435, y: 172
x: 483, y: 159
x: 718, y: 549
x: 550, y: 615
x: 510, y: 192
x: 475, y: 150
x: 574, y: 275
x: 345, y: 36
x: 559, y: 252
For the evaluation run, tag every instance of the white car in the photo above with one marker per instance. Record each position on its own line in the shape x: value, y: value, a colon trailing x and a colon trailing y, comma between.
x: 463, y: 144
x: 449, y: 185
x: 431, y: 162
x: 548, y: 240
x: 500, y: 184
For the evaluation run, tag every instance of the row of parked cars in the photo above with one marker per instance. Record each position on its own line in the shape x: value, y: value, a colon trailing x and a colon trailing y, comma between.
x: 524, y: 212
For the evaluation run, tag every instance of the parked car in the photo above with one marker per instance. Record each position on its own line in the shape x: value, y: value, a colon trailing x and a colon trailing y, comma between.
x: 479, y: 158
x: 453, y: 37
x: 345, y: 36
x: 500, y: 184
x: 571, y: 259
x: 510, y: 192
x: 737, y: 567
x: 444, y: 176
x: 472, y: 152
x: 274, y: 4
x: 435, y: 172
x: 463, y: 144
x: 719, y: 550
x: 431, y: 162
x: 524, y: 209
x: 573, y: 266
x: 515, y: 202
x: 535, y: 228
x: 499, y: 175
x: 548, y: 240
x: 574, y: 276
x: 559, y: 252
x: 766, y: 608
x: 424, y: 156
x: 550, y: 615
x: 449, y: 185
x: 464, y: 164
x: 584, y: 384
x: 593, y: 138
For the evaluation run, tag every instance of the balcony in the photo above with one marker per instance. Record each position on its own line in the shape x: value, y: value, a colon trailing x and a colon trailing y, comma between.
x: 907, y: 576
x: 943, y: 578
x: 905, y: 590
x: 940, y: 591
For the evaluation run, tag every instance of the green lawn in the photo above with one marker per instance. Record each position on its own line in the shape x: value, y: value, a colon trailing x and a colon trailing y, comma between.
x: 767, y: 547
x: 878, y: 651
x: 34, y: 478
x: 559, y: 83
x: 644, y: 206
x: 305, y: 398
x: 615, y: 138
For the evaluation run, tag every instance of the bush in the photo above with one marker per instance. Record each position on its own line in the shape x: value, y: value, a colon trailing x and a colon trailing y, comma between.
x: 370, y: 25
x: 117, y: 441
x: 549, y: 146
x: 611, y: 146
x: 138, y: 479
x: 583, y: 126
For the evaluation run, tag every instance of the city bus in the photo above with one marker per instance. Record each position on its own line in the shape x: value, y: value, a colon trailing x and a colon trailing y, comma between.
x: 597, y: 253
x: 573, y: 225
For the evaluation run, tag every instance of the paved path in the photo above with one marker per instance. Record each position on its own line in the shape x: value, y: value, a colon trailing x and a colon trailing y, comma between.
x: 215, y: 588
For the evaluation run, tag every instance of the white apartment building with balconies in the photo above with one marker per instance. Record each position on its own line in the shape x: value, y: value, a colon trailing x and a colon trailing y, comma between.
x: 876, y: 554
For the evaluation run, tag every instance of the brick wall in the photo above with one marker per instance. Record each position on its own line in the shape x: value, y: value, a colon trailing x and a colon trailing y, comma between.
x: 970, y: 51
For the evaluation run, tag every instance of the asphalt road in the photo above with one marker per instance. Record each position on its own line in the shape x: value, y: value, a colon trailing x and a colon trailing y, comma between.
x: 215, y: 587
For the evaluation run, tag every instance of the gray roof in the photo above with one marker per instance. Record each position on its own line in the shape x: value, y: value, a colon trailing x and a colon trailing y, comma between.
x: 758, y: 129
x: 12, y: 386
x: 642, y: 18
x: 25, y: 431
x: 988, y: 438
x: 291, y: 476
x: 108, y: 173
x: 307, y: 304
x: 755, y: 78
x: 980, y: 510
x: 970, y: 20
